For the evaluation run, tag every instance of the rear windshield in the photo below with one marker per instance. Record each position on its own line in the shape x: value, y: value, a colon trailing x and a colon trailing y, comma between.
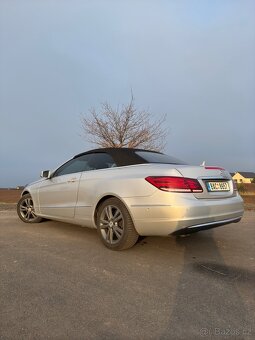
x: 153, y: 157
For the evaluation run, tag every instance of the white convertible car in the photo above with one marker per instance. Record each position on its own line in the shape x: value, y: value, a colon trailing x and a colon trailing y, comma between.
x: 124, y: 193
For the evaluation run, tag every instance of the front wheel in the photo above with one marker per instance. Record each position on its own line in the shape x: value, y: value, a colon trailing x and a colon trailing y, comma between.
x: 115, y: 226
x: 25, y: 210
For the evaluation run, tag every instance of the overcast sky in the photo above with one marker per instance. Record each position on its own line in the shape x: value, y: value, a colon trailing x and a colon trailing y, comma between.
x: 191, y: 60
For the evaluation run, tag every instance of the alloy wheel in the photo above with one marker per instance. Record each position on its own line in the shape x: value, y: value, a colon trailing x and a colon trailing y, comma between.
x: 111, y: 224
x: 27, y: 210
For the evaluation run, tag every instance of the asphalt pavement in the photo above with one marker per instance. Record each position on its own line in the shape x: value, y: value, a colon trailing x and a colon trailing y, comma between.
x: 57, y: 281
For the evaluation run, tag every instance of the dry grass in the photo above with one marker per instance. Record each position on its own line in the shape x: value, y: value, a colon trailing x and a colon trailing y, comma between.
x: 249, y: 202
x: 9, y: 195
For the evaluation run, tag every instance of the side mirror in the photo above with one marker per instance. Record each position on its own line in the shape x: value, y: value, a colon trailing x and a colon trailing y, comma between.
x: 46, y: 174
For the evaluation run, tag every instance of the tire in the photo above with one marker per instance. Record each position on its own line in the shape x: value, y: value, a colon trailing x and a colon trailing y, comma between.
x: 25, y: 210
x: 115, y: 226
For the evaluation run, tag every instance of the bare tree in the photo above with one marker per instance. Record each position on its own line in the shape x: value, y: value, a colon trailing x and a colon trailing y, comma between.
x: 126, y: 127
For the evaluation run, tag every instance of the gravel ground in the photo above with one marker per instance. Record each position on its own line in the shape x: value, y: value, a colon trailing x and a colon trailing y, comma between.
x: 59, y: 282
x: 7, y: 206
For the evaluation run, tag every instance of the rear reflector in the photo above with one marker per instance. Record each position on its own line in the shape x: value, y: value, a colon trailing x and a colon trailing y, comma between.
x: 175, y: 184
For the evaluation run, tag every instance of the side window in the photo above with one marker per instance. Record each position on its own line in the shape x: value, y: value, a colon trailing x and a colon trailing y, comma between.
x: 93, y: 161
x: 74, y: 165
x: 100, y: 160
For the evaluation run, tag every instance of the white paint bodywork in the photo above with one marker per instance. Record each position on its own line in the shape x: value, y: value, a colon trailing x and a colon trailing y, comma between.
x: 74, y: 198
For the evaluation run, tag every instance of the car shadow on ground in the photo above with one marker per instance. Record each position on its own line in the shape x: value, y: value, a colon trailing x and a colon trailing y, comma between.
x: 207, y: 301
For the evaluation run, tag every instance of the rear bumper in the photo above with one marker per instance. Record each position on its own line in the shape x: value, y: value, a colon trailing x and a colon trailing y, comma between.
x: 205, y: 226
x: 180, y: 214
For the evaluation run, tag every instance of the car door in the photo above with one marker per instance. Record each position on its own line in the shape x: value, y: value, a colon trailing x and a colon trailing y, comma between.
x: 90, y: 181
x: 58, y: 194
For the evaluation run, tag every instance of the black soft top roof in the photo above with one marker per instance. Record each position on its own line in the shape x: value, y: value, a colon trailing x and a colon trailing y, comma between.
x: 122, y: 156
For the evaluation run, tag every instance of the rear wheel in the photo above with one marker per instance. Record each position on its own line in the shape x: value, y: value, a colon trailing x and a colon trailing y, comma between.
x: 25, y: 210
x: 115, y: 226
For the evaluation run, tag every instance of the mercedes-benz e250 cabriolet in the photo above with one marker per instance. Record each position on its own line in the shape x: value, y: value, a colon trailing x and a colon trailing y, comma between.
x: 124, y: 193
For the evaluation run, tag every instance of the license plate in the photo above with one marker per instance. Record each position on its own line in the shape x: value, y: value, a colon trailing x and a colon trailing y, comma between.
x: 217, y: 186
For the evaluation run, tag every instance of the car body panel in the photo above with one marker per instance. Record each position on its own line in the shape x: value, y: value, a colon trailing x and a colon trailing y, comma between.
x: 57, y: 196
x: 170, y: 214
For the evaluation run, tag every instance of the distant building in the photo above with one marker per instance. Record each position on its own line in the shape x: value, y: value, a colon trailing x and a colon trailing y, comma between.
x: 243, y: 177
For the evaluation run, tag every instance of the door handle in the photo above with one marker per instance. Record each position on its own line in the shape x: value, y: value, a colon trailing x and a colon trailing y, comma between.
x: 71, y: 180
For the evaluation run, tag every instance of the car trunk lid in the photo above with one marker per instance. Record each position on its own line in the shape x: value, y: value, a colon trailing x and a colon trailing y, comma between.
x: 215, y: 181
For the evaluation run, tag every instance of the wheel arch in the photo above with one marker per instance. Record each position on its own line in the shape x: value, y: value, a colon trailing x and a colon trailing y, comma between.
x: 103, y: 199
x: 25, y: 192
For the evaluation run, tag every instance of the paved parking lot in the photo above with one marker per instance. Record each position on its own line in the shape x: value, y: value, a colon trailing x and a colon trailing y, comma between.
x: 57, y: 281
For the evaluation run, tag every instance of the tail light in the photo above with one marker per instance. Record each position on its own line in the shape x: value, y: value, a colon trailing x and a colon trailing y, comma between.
x: 175, y: 184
